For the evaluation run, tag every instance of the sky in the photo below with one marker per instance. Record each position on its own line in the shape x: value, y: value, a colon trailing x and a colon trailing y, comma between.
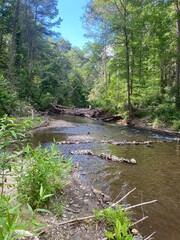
x: 71, y: 28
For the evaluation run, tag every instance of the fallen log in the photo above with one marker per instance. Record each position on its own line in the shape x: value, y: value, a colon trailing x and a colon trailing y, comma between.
x: 83, y: 112
x: 112, y: 118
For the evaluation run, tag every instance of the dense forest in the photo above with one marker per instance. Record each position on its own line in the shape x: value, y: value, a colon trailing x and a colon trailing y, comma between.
x: 132, y: 66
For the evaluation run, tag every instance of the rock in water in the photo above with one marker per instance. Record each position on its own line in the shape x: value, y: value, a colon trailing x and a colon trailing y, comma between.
x: 132, y: 161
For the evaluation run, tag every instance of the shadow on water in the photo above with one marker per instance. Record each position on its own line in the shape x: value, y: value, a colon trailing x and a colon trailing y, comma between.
x: 156, y: 175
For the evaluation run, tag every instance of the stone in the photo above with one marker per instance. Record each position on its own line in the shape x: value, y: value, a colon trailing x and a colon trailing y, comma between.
x: 133, y: 161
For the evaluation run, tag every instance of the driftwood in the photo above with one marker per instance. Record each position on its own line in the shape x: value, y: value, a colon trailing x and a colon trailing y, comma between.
x: 149, y: 237
x: 138, y: 221
x: 140, y: 204
x: 77, y: 220
x: 112, y: 118
x: 116, y: 203
x: 83, y: 112
x: 103, y: 156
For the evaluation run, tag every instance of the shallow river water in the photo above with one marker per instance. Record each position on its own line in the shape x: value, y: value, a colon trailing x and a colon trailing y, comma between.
x: 155, y: 176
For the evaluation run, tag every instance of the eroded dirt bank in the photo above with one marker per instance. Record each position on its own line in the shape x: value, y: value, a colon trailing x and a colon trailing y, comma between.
x: 80, y: 201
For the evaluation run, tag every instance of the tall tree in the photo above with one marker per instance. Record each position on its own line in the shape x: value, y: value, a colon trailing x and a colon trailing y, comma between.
x: 177, y: 9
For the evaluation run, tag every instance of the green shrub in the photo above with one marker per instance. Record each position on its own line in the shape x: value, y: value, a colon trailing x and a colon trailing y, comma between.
x: 23, y: 109
x: 8, y: 97
x: 15, y: 217
x: 43, y: 173
x: 157, y: 123
x: 176, y: 125
x: 45, y: 101
x: 120, y: 232
x: 9, y: 218
x: 12, y: 136
x: 117, y: 222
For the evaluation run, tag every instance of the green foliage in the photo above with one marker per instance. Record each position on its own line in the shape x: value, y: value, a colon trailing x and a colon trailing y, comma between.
x: 8, y: 97
x: 166, y: 112
x: 23, y: 109
x: 46, y: 172
x: 12, y: 129
x: 110, y: 215
x: 142, y: 40
x: 131, y: 64
x: 120, y: 232
x: 45, y: 101
x: 56, y: 205
x: 157, y: 123
x: 116, y: 220
x: 176, y: 125
x: 14, y: 217
x: 9, y: 218
x: 162, y: 115
x: 12, y: 135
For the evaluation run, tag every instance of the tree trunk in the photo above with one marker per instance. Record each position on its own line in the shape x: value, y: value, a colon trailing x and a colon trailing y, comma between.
x: 162, y: 82
x: 127, y: 72
x: 13, y: 43
x: 178, y: 57
x: 1, y: 41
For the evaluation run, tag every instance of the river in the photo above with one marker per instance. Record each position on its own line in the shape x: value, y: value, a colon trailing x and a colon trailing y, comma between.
x: 155, y: 176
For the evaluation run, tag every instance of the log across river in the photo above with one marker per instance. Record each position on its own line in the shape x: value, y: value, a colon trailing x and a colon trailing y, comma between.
x: 156, y: 174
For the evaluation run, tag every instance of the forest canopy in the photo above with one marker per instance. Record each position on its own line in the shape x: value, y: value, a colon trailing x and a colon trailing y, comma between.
x: 131, y: 67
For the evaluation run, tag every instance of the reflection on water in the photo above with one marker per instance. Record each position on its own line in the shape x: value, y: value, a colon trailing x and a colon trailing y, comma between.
x: 156, y: 175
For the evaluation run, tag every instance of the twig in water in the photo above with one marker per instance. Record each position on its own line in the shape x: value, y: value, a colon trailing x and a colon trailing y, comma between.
x: 149, y: 237
x: 140, y: 220
x: 116, y: 203
x: 140, y: 204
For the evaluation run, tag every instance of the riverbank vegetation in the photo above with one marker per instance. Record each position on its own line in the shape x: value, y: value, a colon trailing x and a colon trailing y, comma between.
x: 131, y: 67
x: 29, y: 178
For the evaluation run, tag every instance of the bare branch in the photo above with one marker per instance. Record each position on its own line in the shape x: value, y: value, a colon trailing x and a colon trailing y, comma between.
x: 124, y: 7
x: 116, y: 203
x: 140, y: 220
x: 77, y: 220
x: 140, y: 204
x: 149, y: 237
x: 118, y: 8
